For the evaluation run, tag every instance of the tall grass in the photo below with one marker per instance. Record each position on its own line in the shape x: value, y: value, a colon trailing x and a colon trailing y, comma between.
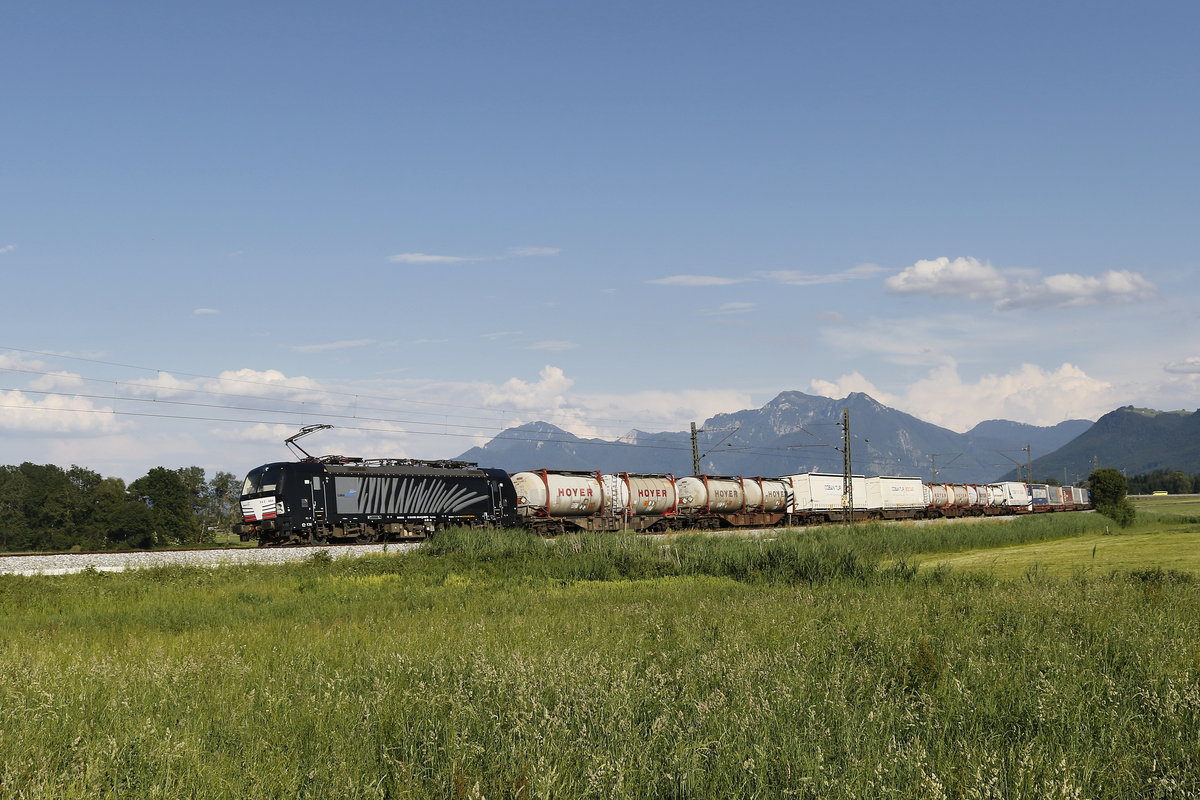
x: 606, y: 667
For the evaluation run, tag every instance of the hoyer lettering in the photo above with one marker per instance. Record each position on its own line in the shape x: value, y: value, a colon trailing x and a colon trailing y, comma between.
x: 652, y: 492
x: 577, y: 492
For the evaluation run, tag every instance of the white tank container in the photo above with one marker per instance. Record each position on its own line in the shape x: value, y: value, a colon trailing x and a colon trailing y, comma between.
x: 558, y: 494
x: 940, y: 496
x: 702, y: 493
x: 959, y: 496
x: 775, y: 495
x: 616, y: 494
x: 647, y: 495
x: 753, y: 494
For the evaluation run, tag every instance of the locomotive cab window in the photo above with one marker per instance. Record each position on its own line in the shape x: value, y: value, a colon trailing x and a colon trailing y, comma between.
x: 261, y: 481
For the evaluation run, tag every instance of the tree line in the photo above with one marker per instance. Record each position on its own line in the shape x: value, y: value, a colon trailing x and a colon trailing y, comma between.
x: 46, y: 507
x: 1165, y: 480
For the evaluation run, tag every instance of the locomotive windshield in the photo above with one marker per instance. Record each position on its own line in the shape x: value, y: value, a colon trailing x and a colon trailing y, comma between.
x: 262, y: 480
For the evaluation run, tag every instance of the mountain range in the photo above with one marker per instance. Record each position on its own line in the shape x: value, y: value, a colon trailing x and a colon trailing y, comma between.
x: 793, y: 433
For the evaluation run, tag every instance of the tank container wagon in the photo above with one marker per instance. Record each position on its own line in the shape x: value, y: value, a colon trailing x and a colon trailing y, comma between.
x: 556, y: 501
x: 719, y: 501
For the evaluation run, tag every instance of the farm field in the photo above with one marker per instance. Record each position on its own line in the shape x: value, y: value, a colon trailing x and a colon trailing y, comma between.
x: 1168, y: 504
x: 1166, y: 537
x: 815, y: 664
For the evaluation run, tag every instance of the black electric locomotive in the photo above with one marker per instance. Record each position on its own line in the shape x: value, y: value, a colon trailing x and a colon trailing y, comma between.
x: 336, y: 498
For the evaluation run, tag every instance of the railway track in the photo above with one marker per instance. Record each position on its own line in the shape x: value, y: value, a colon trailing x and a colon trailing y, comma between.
x: 119, y: 561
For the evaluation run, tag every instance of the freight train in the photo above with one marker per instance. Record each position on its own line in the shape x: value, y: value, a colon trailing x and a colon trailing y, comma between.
x: 340, y: 499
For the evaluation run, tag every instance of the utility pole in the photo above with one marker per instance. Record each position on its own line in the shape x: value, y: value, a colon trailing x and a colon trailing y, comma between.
x: 695, y: 452
x: 847, y: 471
x: 1028, y: 463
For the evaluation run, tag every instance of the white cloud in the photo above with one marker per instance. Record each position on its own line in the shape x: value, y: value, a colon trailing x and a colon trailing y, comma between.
x: 534, y: 251
x: 696, y: 280
x: 8, y: 248
x: 514, y: 252
x: 1027, y: 394
x: 941, y: 277
x: 426, y: 258
x: 791, y: 277
x: 847, y: 384
x: 341, y: 345
x: 1068, y: 290
x: 24, y: 415
x: 660, y: 410
x: 916, y: 341
x: 1188, y: 366
x: 733, y: 308
x: 548, y: 392
x: 205, y: 311
x: 553, y: 345
x: 1011, y: 289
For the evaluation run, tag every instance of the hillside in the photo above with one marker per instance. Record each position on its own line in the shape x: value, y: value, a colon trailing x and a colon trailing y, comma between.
x: 795, y: 432
x: 1135, y: 440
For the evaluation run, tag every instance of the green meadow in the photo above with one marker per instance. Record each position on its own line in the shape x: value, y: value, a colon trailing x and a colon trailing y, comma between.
x: 828, y: 663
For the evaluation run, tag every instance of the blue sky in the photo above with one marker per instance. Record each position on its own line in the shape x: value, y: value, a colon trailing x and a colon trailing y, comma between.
x: 606, y: 215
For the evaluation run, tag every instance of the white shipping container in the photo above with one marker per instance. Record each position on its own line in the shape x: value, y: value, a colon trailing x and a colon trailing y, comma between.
x: 822, y: 491
x: 1014, y: 494
x: 891, y: 493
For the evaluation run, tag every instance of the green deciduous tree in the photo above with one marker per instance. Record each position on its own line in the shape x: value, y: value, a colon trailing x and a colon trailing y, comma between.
x: 166, y: 494
x: 1109, y: 488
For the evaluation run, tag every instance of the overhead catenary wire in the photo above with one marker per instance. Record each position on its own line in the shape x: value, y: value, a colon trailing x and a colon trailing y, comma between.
x: 665, y: 441
x: 831, y: 467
